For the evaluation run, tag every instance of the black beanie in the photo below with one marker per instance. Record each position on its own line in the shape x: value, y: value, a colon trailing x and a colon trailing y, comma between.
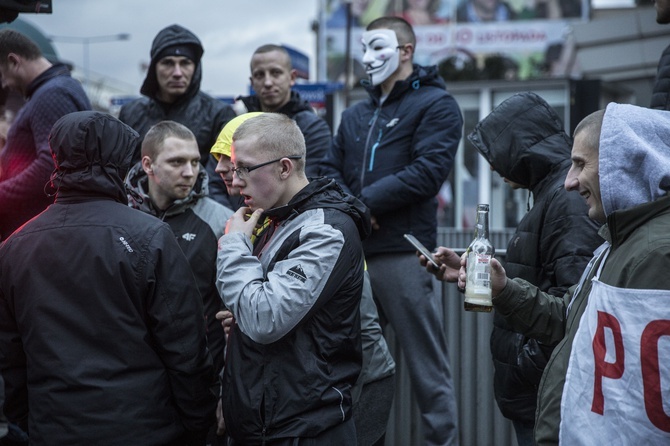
x: 185, y: 50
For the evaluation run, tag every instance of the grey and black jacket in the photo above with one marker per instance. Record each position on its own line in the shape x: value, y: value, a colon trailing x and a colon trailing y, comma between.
x: 524, y: 141
x: 295, y: 349
x: 197, y: 222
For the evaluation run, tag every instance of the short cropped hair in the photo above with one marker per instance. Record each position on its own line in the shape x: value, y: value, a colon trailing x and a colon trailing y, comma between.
x: 403, y: 30
x: 592, y: 125
x: 12, y: 41
x: 276, y: 135
x: 268, y: 48
x: 158, y: 133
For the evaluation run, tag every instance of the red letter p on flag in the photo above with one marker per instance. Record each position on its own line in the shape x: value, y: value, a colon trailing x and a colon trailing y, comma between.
x: 603, y: 369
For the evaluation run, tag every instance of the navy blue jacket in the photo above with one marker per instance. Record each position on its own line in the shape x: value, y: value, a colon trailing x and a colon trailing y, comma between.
x: 395, y: 157
x: 25, y: 161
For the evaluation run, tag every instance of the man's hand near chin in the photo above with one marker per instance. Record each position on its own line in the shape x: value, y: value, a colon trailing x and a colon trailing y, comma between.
x: 243, y: 220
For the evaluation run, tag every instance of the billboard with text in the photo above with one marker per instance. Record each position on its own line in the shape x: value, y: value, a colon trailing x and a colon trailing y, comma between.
x: 521, y: 39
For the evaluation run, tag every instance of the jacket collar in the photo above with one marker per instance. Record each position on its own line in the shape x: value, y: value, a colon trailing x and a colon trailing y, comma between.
x: 55, y: 70
x: 421, y: 77
x: 621, y: 224
x: 137, y: 181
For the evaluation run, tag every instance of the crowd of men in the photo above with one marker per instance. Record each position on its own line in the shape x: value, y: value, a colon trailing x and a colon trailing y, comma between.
x: 185, y: 276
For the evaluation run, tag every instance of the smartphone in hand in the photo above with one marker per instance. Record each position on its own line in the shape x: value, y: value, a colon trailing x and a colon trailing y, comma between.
x: 422, y: 249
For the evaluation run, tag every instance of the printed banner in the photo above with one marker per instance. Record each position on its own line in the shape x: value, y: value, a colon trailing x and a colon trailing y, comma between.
x: 528, y: 42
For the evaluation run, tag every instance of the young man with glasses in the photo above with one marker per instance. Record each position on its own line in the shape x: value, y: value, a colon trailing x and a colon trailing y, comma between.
x: 374, y: 390
x: 294, y: 350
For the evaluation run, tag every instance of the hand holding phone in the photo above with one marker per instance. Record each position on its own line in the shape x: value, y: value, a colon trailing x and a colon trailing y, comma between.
x: 422, y: 249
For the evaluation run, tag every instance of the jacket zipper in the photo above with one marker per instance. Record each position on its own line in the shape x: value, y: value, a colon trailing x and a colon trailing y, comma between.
x: 373, y: 150
x: 371, y: 123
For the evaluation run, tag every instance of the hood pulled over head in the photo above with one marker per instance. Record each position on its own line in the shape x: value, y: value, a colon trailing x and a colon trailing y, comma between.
x: 178, y: 37
x: 522, y: 139
x: 92, y: 152
x: 634, y: 156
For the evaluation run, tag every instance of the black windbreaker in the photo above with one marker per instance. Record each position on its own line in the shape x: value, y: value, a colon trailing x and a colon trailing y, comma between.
x: 99, y: 344
x: 523, y: 140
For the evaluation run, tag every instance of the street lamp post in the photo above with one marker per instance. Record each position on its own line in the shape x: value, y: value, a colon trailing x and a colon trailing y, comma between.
x: 86, y: 42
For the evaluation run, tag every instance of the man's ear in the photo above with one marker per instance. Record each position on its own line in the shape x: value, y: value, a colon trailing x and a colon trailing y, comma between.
x: 13, y: 60
x: 406, y: 52
x: 146, y: 165
x: 294, y: 75
x: 286, y: 168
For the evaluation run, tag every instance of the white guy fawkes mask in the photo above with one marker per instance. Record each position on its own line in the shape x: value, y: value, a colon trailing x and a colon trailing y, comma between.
x: 380, y: 54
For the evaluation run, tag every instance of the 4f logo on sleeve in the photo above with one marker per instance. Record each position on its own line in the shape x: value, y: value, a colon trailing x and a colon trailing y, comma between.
x: 189, y: 236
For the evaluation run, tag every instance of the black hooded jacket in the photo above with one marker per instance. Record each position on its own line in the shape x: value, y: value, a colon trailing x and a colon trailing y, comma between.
x: 201, y: 113
x: 523, y: 140
x: 318, y: 136
x: 99, y: 345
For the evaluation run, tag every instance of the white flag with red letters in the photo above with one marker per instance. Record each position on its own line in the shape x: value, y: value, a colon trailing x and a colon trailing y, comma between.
x: 617, y: 389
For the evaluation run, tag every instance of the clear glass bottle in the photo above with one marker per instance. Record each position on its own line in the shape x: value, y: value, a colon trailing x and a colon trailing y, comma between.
x: 480, y: 252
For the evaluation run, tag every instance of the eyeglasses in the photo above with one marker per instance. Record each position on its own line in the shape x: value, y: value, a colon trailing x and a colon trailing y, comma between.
x: 243, y: 172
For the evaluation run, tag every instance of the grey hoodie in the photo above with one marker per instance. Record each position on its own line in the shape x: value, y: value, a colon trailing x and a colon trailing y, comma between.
x: 634, y: 156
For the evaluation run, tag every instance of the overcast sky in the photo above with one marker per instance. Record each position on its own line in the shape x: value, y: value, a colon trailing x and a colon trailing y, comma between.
x: 230, y: 30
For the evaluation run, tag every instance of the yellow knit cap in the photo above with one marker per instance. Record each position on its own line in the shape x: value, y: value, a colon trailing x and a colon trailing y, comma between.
x: 225, y: 138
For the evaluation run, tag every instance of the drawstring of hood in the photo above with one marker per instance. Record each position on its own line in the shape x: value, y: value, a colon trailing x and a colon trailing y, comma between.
x: 55, y: 175
x: 137, y: 198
